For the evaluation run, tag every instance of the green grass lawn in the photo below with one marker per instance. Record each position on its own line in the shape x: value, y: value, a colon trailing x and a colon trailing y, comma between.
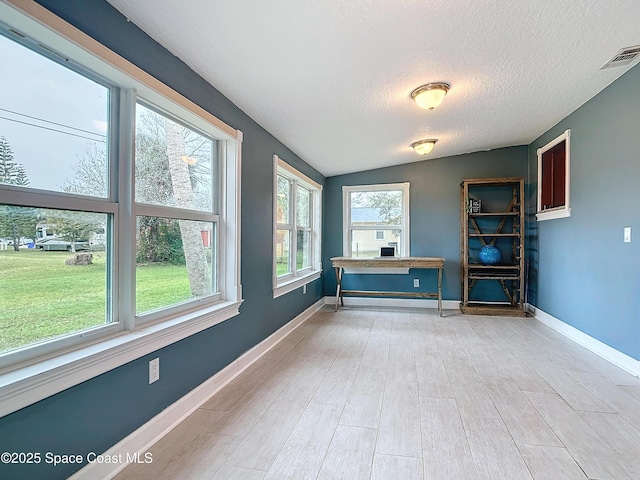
x: 161, y: 285
x: 42, y: 298
x: 282, y: 265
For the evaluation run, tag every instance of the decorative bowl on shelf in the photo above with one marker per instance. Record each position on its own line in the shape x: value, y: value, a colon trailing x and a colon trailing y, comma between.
x: 490, y: 255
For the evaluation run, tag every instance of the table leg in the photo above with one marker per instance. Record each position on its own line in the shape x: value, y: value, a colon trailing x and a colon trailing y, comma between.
x: 440, y: 291
x: 339, y: 287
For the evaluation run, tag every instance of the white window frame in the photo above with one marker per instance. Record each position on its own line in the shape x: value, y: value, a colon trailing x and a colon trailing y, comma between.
x: 565, y: 210
x: 347, y: 227
x: 297, y: 278
x: 35, y: 372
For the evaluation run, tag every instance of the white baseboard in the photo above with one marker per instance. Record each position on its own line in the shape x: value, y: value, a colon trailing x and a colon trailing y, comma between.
x: 139, y: 441
x: 603, y: 350
x: 394, y: 302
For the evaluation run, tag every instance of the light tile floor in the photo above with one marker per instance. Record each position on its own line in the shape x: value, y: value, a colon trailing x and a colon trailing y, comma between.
x: 405, y: 394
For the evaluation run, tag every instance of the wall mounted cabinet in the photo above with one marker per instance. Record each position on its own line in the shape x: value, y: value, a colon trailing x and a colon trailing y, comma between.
x: 492, y: 246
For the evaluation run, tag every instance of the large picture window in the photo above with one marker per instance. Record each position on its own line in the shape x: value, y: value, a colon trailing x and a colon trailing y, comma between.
x: 119, y: 210
x: 553, y: 178
x: 297, y: 228
x: 375, y: 216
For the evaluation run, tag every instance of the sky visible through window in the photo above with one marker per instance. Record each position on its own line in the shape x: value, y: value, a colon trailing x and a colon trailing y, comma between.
x: 49, y: 115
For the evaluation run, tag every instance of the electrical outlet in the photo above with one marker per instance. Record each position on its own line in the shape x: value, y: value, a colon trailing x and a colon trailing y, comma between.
x: 416, y: 282
x: 627, y: 234
x: 154, y: 370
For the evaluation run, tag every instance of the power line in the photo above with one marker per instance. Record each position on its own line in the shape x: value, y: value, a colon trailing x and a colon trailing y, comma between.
x: 53, y: 123
x: 53, y: 129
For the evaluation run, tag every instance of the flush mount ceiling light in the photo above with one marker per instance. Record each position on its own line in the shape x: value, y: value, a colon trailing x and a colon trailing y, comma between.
x: 423, y: 146
x: 431, y: 95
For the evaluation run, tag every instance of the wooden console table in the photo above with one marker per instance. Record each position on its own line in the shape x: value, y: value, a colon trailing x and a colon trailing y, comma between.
x: 340, y: 263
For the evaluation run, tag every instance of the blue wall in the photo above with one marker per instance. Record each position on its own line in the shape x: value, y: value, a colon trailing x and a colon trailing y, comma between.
x: 435, y: 215
x: 93, y: 416
x: 581, y: 271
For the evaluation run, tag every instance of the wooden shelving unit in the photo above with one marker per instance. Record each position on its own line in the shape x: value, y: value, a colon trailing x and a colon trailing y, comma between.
x: 500, y: 223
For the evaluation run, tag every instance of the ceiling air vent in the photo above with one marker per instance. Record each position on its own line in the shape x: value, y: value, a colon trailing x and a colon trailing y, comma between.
x: 623, y: 57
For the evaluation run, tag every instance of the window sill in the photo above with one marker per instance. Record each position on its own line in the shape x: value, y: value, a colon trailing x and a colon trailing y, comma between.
x: 30, y: 383
x: 291, y: 285
x: 553, y: 214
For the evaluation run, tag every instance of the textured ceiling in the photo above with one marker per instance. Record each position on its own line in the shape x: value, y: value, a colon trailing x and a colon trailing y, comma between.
x: 331, y: 78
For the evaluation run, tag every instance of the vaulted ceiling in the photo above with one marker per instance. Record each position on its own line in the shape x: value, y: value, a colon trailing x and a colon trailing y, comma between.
x: 331, y: 79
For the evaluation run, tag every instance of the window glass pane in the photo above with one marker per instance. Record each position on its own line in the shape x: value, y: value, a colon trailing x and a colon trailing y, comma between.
x: 303, y: 204
x: 53, y: 125
x: 282, y: 215
x: 376, y: 208
x: 47, y: 290
x: 283, y: 248
x: 174, y: 164
x: 559, y: 179
x: 173, y: 261
x: 547, y: 180
x: 303, y: 255
x: 366, y: 244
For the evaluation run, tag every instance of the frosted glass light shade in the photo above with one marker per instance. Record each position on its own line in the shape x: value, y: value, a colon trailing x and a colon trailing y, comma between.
x: 431, y: 95
x: 423, y: 146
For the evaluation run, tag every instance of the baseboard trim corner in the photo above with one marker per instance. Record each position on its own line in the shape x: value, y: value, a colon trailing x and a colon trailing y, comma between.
x: 619, y: 359
x: 136, y: 444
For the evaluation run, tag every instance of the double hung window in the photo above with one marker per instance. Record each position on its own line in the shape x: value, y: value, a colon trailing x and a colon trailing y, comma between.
x: 375, y: 216
x: 176, y: 205
x: 55, y: 200
x: 297, y: 228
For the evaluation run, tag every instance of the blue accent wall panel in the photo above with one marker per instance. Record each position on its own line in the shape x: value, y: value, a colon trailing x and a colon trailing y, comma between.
x: 93, y: 416
x: 581, y: 270
x: 434, y: 202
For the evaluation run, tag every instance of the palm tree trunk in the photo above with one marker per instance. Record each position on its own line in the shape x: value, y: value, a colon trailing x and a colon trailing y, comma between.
x: 189, y: 230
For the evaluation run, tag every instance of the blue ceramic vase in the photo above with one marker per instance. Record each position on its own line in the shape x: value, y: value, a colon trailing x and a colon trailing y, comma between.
x: 490, y: 255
